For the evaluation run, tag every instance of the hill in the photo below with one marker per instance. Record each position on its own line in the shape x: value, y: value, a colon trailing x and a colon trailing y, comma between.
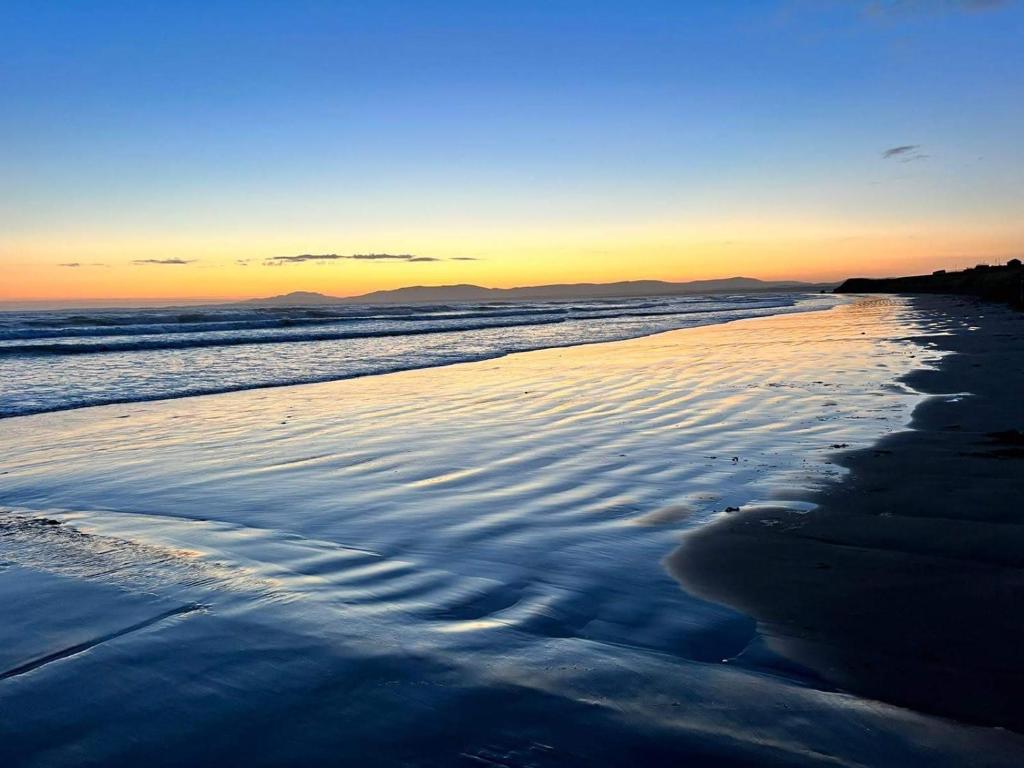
x: 1000, y: 283
x: 467, y: 292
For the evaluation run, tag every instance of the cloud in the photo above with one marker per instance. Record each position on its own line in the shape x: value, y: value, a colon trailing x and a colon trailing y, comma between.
x: 905, y: 153
x: 406, y: 258
x: 465, y: 258
x: 80, y: 264
x: 899, y: 151
x: 163, y: 261
x: 387, y: 257
x: 70, y: 264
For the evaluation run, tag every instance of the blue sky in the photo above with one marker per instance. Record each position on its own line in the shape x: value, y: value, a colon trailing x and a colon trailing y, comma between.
x: 227, y: 130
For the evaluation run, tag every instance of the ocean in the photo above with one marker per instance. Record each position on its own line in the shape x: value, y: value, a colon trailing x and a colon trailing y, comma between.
x: 60, y: 359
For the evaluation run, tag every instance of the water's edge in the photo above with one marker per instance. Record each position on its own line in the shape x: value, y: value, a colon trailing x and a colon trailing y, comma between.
x: 898, y: 583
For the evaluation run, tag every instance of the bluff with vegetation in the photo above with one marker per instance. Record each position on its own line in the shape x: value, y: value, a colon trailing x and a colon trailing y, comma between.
x: 996, y: 283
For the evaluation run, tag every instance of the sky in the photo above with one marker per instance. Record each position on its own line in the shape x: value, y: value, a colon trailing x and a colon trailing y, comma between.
x: 208, y: 149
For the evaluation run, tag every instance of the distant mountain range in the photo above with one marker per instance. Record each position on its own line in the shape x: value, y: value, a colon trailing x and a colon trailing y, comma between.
x: 466, y: 292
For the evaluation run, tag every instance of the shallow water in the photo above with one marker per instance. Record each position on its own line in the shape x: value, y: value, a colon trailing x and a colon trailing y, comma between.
x: 445, y: 566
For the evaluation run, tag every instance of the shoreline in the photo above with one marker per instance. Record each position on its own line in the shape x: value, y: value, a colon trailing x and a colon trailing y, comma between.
x: 906, y: 582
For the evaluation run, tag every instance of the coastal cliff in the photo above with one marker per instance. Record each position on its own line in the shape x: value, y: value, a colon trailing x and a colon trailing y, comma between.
x: 997, y: 283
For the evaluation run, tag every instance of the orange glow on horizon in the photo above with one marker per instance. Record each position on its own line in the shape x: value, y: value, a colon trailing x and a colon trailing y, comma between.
x: 37, y: 275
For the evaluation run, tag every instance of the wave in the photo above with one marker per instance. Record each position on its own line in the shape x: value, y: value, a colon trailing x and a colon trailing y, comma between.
x: 159, y: 338
x: 212, y: 324
x: 56, y: 325
x: 148, y: 345
x: 91, y: 401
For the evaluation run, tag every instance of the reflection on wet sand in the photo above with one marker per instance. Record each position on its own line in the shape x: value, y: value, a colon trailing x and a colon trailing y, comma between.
x: 462, y: 563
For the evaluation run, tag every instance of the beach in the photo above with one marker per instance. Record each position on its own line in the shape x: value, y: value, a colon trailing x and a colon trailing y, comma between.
x: 720, y: 544
x: 905, y: 582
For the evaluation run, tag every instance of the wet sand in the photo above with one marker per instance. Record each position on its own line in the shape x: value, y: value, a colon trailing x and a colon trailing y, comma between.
x: 906, y: 583
x: 457, y: 566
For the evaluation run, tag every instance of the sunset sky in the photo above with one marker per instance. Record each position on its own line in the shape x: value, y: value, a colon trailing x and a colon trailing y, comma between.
x: 180, y: 149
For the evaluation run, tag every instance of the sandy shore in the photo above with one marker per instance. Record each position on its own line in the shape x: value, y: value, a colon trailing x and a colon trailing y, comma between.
x: 905, y: 584
x: 467, y: 565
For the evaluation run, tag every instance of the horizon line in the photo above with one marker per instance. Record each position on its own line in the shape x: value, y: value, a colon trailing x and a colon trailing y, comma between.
x: 216, y: 299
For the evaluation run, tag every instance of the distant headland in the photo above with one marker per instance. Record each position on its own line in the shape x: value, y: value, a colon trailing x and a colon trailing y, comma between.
x: 1003, y: 283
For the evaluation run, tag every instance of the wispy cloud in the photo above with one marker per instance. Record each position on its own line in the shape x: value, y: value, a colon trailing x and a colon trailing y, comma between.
x: 406, y: 258
x: 337, y: 256
x: 70, y: 264
x: 389, y: 257
x: 163, y: 261
x: 905, y: 153
x: 81, y: 264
